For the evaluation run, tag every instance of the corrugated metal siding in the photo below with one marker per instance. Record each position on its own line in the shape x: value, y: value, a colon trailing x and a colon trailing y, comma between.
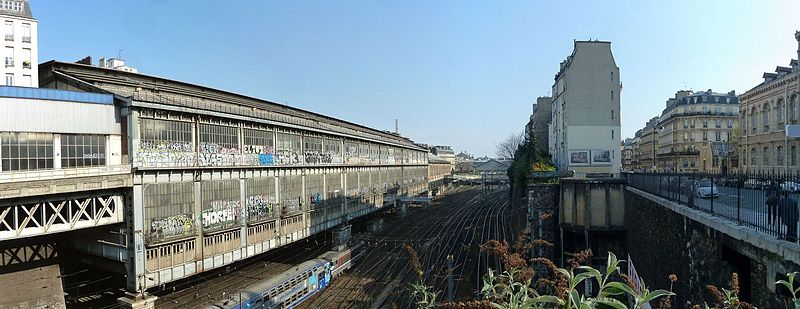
x: 47, y: 116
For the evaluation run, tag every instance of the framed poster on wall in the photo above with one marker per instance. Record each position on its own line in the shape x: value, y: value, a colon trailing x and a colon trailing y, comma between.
x: 579, y: 157
x: 601, y: 157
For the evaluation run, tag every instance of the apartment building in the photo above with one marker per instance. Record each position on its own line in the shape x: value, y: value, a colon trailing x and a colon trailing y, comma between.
x: 765, y: 111
x: 20, y: 52
x: 584, y: 133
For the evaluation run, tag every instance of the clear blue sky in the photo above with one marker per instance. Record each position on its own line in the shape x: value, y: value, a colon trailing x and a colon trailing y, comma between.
x: 460, y: 73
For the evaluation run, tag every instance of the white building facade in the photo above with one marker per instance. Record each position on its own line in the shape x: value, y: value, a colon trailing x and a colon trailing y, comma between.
x: 20, y: 52
x: 584, y: 131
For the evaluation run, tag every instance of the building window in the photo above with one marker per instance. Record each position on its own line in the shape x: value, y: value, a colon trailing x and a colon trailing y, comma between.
x: 26, y: 33
x: 168, y: 211
x: 730, y: 123
x: 792, y: 111
x: 9, y: 56
x: 753, y: 156
x: 765, y: 156
x: 744, y: 155
x: 612, y: 114
x: 779, y: 111
x: 612, y: 134
x: 218, y: 145
x: 753, y: 118
x: 26, y: 58
x: 717, y: 136
x: 26, y: 151
x: 779, y: 155
x: 27, y: 81
x: 9, y: 79
x: 612, y: 95
x: 705, y: 123
x: 221, y: 207
x: 705, y: 135
x: 718, y: 123
x: 765, y: 112
x: 9, y: 30
x: 705, y: 109
x: 82, y: 150
x: 288, y: 149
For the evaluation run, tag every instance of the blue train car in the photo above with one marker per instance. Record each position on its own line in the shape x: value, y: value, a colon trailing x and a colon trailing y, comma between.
x: 287, y: 290
x: 293, y: 286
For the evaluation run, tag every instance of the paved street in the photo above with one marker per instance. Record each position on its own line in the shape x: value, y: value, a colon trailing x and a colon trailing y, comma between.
x: 750, y: 209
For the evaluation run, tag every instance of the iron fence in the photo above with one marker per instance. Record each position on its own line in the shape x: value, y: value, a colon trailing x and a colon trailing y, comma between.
x: 765, y: 202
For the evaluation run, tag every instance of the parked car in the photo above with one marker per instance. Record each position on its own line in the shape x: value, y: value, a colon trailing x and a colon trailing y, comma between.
x: 704, y: 188
x: 756, y: 184
x: 790, y: 186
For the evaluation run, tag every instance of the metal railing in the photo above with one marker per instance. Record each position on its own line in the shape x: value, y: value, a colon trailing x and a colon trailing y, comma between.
x: 767, y: 203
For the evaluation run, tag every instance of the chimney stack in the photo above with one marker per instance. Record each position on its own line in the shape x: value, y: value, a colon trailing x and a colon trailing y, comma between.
x: 397, y: 126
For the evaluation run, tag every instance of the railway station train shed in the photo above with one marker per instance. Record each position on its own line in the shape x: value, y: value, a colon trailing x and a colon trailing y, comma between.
x: 214, y: 177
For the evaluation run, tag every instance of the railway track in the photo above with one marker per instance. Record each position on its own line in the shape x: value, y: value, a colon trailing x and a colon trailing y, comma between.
x: 205, y: 289
x: 455, y: 224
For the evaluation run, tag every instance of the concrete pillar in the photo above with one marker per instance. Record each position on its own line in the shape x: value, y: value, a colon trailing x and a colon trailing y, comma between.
x: 278, y: 200
x: 243, y: 209
x: 133, y: 301
x: 198, y: 221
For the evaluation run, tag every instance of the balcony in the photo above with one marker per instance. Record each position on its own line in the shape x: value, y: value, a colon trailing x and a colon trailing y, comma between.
x: 9, y: 37
x: 26, y: 39
x: 673, y: 153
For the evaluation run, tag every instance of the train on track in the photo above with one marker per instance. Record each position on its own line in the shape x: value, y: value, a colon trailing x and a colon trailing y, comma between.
x: 295, y: 285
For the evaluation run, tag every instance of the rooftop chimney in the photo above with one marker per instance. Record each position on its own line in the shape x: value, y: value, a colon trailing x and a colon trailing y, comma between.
x: 768, y: 77
x: 87, y: 60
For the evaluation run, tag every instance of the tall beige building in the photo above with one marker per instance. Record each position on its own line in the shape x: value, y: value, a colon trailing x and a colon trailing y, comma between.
x: 20, y: 52
x: 645, y: 150
x: 765, y: 111
x: 584, y: 133
x: 695, y: 131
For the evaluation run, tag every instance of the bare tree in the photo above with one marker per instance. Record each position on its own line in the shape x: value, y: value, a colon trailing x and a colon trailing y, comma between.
x: 507, y: 148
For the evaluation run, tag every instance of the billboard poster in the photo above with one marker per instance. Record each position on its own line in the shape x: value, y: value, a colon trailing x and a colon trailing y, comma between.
x: 601, y: 157
x: 579, y: 157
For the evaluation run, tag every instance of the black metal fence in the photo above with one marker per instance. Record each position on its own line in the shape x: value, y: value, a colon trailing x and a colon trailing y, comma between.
x: 765, y: 202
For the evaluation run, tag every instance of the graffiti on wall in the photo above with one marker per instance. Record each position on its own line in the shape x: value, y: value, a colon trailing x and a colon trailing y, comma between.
x: 171, y: 227
x: 291, y: 204
x: 334, y: 156
x: 288, y: 157
x: 221, y: 214
x: 164, y: 153
x: 316, y: 157
x: 260, y: 207
x: 213, y: 154
x: 259, y: 155
x: 315, y: 199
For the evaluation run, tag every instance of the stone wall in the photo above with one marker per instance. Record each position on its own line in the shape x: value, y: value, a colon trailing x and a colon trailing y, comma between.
x: 543, y: 199
x: 662, y: 241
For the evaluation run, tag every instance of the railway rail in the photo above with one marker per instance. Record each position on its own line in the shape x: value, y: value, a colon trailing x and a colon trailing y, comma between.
x: 455, y: 224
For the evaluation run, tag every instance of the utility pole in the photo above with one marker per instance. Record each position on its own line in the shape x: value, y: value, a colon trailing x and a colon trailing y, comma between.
x: 450, y: 277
